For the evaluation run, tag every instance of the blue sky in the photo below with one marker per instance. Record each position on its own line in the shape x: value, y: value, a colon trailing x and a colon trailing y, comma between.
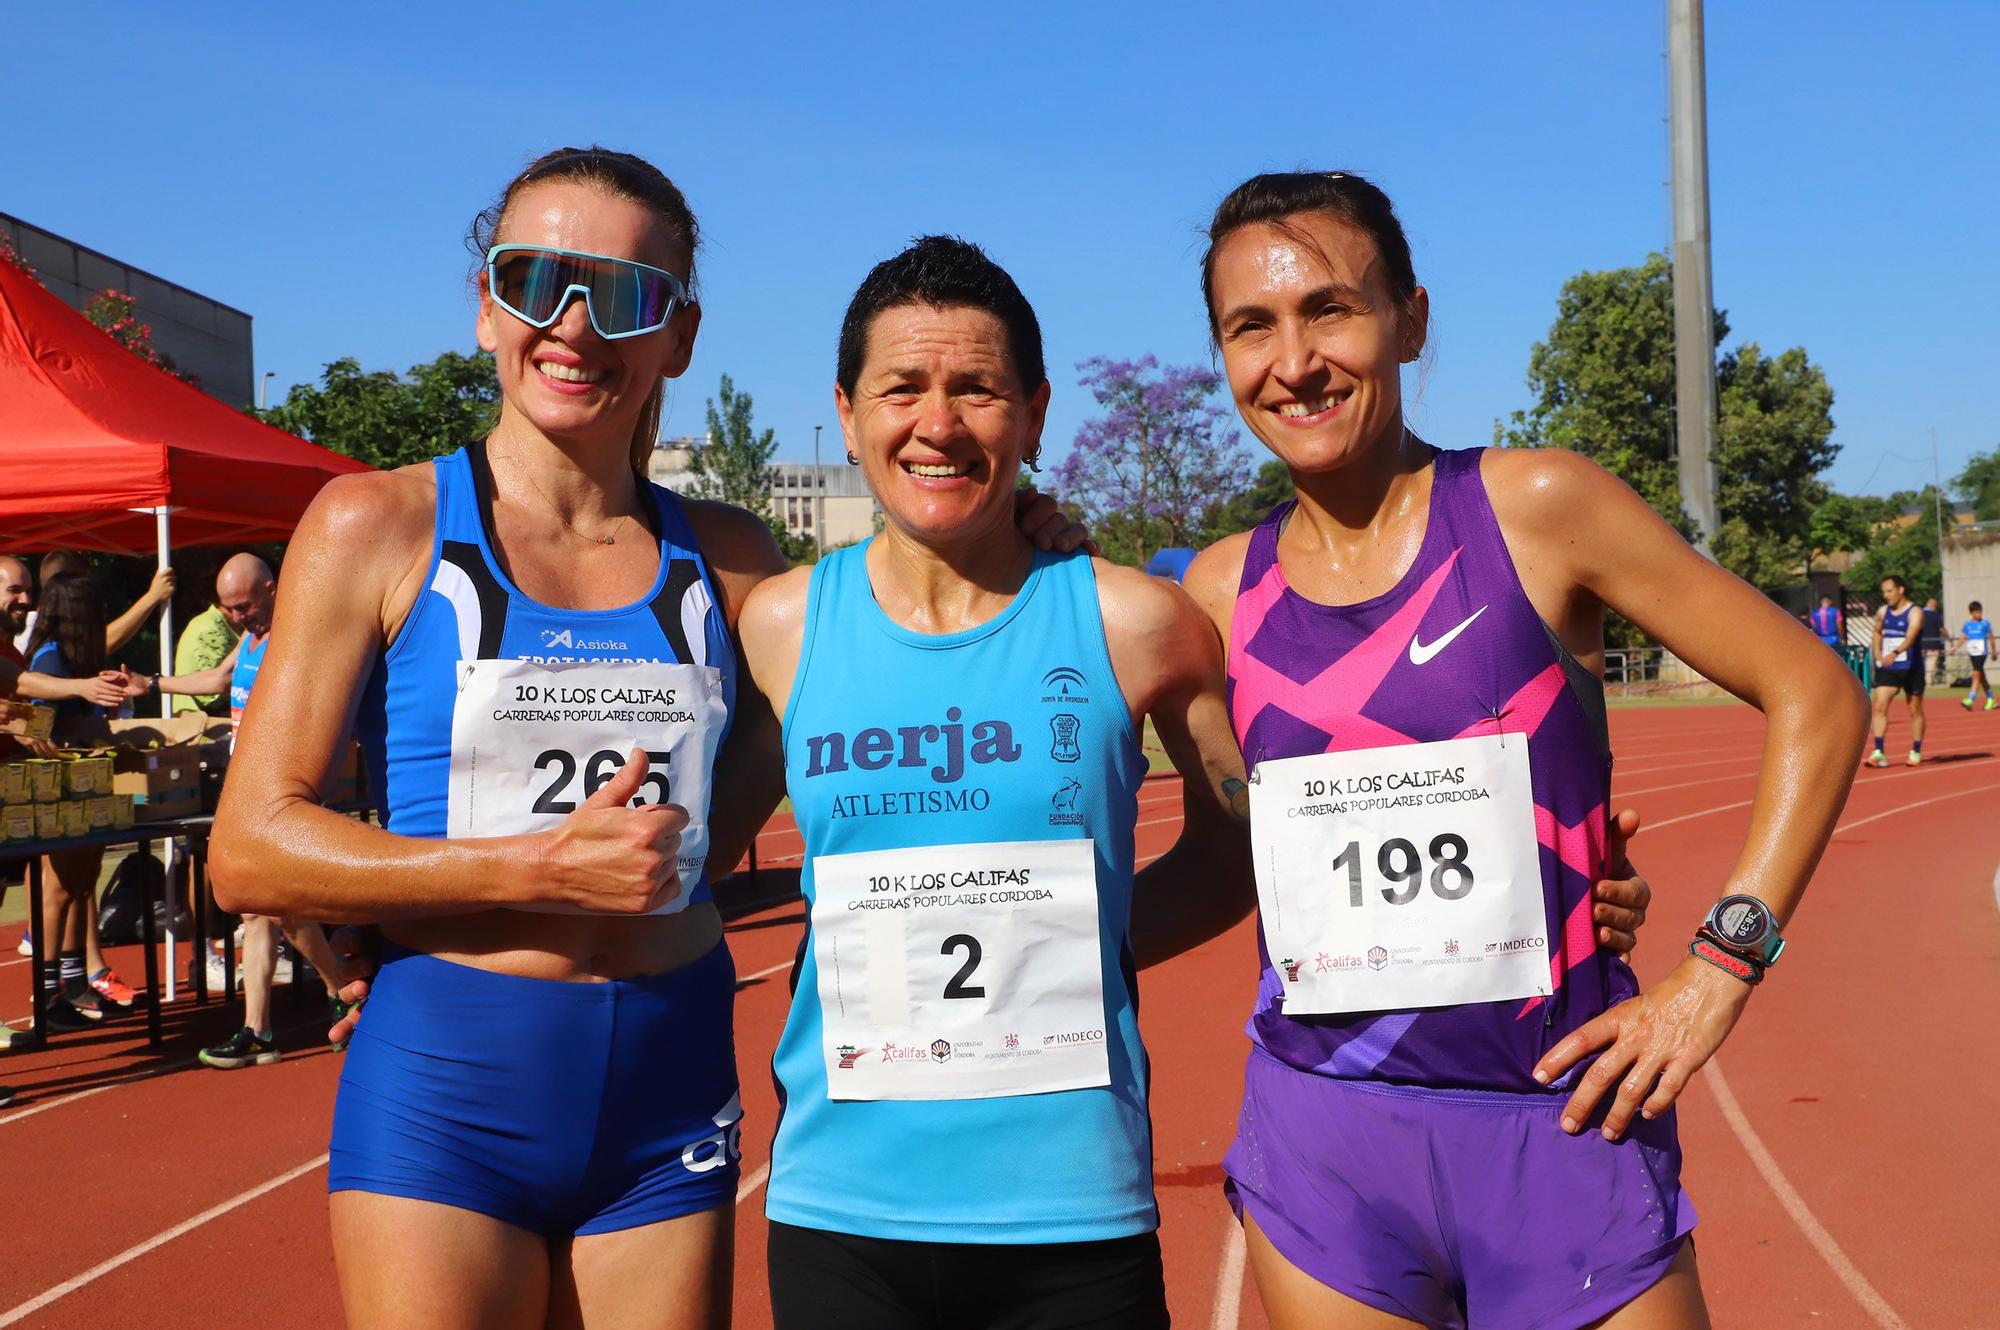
x: 319, y: 173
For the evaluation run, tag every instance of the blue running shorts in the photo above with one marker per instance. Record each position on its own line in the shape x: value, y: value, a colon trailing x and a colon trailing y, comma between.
x: 560, y: 1108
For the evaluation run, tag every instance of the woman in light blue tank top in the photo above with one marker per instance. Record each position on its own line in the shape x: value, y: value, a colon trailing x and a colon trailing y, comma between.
x: 532, y: 644
x: 965, y: 1138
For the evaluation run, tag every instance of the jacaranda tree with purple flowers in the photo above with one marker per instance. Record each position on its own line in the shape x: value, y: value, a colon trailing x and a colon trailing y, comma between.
x: 1148, y: 473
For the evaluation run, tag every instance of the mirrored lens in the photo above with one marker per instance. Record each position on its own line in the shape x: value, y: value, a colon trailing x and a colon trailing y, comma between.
x: 625, y: 298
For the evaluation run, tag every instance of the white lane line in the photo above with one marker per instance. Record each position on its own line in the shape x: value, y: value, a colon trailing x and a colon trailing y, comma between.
x: 1822, y: 1241
x: 1904, y: 808
x: 764, y: 973
x: 1229, y: 1282
x: 1907, y: 773
x: 1996, y: 888
x: 130, y: 1254
x: 752, y: 1183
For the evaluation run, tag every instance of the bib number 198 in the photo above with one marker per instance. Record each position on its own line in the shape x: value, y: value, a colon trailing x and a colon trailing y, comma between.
x: 1399, y: 864
x: 600, y: 767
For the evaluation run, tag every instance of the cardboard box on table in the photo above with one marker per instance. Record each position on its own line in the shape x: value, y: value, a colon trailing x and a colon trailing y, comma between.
x: 158, y: 762
x: 24, y: 720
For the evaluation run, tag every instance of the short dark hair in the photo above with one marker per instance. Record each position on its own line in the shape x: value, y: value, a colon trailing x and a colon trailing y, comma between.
x: 1277, y: 197
x: 1897, y: 579
x: 1976, y: 608
x: 943, y: 272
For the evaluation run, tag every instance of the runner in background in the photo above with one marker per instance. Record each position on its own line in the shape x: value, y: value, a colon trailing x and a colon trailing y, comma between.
x: 245, y: 595
x: 1899, y: 667
x: 1978, y: 634
x: 1415, y: 650
x: 1829, y: 623
x: 1935, y: 641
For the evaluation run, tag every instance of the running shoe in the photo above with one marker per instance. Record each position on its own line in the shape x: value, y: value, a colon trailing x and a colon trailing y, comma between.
x: 1966, y: 701
x: 1916, y: 759
x: 12, y: 1040
x: 242, y: 1049
x: 65, y: 1017
x: 26, y: 946
x: 108, y: 986
x: 1990, y: 704
x: 6, y: 1095
x: 1876, y: 759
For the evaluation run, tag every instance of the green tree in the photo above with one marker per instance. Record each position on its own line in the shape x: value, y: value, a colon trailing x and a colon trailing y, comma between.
x: 1773, y: 439
x: 1271, y: 486
x: 1604, y: 387
x: 1905, y: 542
x: 1980, y: 483
x: 734, y: 466
x: 387, y: 419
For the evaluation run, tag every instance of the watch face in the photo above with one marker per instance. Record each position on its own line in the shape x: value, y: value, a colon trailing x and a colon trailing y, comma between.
x: 1742, y: 921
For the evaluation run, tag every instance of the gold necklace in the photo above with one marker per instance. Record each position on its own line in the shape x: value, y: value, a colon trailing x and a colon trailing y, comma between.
x: 609, y: 539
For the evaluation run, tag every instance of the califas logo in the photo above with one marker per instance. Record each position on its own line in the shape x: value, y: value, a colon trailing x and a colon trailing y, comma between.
x: 940, y: 1050
x: 1064, y: 685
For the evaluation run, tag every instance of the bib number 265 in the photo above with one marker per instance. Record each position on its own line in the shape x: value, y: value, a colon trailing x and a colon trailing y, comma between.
x: 600, y: 767
x: 1399, y: 863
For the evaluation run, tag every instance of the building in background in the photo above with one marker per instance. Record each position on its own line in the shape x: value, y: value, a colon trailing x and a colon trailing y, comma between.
x: 203, y: 337
x: 845, y: 509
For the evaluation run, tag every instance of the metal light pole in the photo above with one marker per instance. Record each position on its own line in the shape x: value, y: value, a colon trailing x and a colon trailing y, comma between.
x: 263, y: 387
x: 819, y: 513
x: 1694, y: 295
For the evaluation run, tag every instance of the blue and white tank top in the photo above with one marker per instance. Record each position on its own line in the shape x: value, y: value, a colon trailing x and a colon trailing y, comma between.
x: 1978, y: 635
x: 896, y: 741
x: 1896, y: 633
x: 470, y: 610
x: 243, y: 677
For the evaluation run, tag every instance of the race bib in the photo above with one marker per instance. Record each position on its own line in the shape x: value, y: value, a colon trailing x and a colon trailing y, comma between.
x: 530, y: 742
x: 1410, y: 876
x: 960, y: 971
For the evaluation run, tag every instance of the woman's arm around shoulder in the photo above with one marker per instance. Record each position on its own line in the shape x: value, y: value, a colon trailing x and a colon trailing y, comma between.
x: 1168, y: 658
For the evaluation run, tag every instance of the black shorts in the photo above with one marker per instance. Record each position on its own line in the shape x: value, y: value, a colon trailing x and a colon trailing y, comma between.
x: 838, y: 1281
x: 1907, y: 679
x: 1977, y: 662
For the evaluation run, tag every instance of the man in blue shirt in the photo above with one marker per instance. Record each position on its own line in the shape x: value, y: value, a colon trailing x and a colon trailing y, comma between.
x: 1829, y: 622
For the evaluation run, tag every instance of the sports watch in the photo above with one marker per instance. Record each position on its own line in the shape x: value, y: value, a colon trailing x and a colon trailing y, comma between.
x: 1745, y: 926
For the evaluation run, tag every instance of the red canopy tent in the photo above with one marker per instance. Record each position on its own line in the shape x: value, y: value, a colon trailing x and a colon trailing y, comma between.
x: 99, y: 450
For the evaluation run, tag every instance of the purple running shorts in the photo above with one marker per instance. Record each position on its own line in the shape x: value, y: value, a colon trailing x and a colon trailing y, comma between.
x: 1455, y: 1208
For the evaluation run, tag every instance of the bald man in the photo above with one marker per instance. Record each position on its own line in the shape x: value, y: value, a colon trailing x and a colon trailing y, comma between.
x: 247, y: 593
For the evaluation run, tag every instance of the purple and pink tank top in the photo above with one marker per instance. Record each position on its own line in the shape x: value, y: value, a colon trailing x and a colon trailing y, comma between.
x: 1309, y: 678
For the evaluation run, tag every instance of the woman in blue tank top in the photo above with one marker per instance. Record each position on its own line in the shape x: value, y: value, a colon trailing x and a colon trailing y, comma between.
x: 965, y: 1139
x: 1415, y: 646
x: 538, y: 1117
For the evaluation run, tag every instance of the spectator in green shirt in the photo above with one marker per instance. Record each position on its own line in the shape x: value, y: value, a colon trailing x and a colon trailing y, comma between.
x: 205, y: 643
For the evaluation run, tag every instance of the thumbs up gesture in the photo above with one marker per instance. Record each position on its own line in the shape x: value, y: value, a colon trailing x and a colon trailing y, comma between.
x: 611, y: 859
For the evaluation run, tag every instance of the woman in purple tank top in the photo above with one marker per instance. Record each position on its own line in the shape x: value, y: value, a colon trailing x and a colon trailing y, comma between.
x: 1459, y: 1105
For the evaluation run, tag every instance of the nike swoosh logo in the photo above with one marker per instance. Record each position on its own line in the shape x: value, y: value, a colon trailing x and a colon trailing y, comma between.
x: 1419, y: 652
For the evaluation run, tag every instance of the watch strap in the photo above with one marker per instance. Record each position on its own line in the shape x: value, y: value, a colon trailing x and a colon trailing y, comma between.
x: 1722, y: 958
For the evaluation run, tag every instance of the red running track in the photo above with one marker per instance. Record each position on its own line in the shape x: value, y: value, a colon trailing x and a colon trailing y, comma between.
x: 1841, y: 1159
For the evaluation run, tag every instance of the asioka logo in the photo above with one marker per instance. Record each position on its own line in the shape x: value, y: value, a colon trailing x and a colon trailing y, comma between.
x: 567, y: 638
x: 947, y: 749
x: 1064, y: 684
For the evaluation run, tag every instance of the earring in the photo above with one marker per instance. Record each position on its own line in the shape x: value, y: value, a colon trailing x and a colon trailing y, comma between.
x: 852, y: 460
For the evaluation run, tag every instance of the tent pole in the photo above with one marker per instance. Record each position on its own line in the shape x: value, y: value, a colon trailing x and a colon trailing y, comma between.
x: 163, y: 535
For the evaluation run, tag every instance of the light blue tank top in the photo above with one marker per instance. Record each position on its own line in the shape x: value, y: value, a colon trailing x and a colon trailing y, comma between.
x: 242, y: 678
x: 1012, y: 731
x: 470, y: 610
